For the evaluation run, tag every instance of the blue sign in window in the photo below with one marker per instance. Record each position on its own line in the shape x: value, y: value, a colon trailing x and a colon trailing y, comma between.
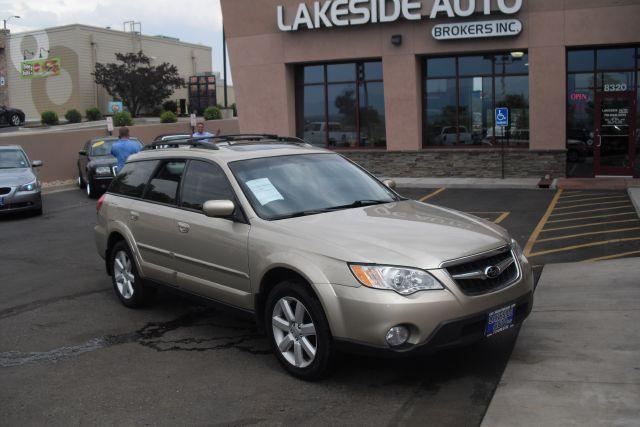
x: 502, y: 117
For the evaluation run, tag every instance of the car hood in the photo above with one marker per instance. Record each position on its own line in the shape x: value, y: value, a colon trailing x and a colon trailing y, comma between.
x: 102, y: 161
x: 15, y: 177
x: 406, y: 233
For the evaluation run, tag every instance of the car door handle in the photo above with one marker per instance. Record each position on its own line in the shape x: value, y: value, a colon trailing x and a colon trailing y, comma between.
x: 133, y: 216
x: 184, y: 227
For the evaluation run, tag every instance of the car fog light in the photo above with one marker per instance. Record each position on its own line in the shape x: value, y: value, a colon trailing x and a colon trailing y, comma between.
x: 397, y: 336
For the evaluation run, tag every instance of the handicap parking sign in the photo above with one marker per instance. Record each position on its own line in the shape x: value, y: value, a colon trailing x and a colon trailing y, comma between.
x: 502, y: 117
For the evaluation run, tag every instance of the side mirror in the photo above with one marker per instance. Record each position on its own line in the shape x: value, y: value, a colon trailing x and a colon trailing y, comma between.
x: 36, y: 163
x: 82, y: 152
x: 390, y: 183
x: 219, y: 208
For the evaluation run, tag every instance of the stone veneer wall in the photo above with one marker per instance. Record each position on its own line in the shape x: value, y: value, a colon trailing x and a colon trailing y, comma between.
x: 4, y: 90
x: 462, y: 163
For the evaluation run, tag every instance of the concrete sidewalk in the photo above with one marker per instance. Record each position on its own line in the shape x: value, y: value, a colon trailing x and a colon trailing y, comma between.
x: 577, y: 358
x: 634, y: 195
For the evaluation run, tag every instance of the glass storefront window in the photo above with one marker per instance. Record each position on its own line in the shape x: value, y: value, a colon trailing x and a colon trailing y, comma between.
x: 441, y: 67
x: 459, y: 111
x: 346, y: 111
x: 372, y: 117
x: 593, y: 73
x: 581, y: 60
x: 616, y: 59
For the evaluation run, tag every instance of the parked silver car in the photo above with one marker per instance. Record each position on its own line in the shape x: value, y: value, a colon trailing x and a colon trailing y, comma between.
x: 19, y: 185
x: 322, y: 254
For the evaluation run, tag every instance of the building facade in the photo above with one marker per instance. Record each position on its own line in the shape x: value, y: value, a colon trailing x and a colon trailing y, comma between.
x: 52, y: 69
x: 4, y: 87
x: 477, y: 88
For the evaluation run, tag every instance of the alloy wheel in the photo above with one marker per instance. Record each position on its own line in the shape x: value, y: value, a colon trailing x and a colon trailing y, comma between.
x: 294, y: 332
x: 88, y: 188
x: 123, y: 273
x: 15, y: 120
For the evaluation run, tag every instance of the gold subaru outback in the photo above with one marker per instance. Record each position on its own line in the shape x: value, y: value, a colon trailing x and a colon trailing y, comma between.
x: 321, y: 253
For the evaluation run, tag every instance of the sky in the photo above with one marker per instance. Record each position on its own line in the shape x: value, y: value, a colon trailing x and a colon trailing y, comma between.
x: 194, y: 21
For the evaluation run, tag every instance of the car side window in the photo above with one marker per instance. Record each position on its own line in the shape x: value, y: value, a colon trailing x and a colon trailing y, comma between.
x: 133, y: 178
x: 164, y: 185
x: 204, y: 181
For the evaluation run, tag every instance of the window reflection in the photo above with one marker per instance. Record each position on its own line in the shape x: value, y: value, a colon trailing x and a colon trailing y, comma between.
x: 346, y: 110
x: 460, y: 111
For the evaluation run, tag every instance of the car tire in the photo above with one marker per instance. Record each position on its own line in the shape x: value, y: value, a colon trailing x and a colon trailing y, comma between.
x: 300, y: 335
x: 14, y: 120
x: 37, y: 212
x: 127, y: 283
x: 80, y: 181
x: 89, y: 189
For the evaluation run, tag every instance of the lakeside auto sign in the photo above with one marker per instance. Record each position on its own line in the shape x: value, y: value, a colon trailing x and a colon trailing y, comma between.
x: 345, y: 13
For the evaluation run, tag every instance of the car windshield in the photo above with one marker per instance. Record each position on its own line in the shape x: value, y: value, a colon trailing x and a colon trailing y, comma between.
x: 291, y: 186
x: 102, y: 147
x: 13, y: 159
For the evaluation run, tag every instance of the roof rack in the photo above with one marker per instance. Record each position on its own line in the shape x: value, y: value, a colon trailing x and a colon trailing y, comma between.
x: 197, y: 142
x: 210, y: 142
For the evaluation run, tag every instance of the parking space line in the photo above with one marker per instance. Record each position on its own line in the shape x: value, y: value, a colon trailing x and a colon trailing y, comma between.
x: 584, y: 195
x: 594, y: 210
x: 615, y: 256
x: 502, y: 217
x: 591, y: 233
x: 590, y: 200
x: 593, y: 224
x: 543, y: 221
x: 434, y: 194
x: 584, y: 245
x: 592, y: 217
x: 564, y: 208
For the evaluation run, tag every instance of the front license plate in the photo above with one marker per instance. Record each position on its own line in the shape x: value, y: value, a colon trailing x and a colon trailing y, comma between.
x: 500, y: 320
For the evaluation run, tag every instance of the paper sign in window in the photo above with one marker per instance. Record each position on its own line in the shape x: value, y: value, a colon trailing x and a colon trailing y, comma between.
x: 264, y: 190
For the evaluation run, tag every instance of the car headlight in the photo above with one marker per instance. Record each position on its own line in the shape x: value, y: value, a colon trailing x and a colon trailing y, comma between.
x: 33, y: 185
x: 103, y: 170
x: 403, y: 280
x: 516, y: 248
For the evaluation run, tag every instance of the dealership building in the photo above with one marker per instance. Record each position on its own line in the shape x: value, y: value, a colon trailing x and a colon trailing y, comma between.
x: 51, y: 69
x: 477, y: 88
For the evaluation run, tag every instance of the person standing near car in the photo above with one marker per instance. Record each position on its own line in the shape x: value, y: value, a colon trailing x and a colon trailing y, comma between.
x: 200, y: 132
x: 123, y: 148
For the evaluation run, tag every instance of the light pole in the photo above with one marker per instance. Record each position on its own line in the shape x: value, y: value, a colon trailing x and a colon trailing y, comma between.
x: 4, y: 21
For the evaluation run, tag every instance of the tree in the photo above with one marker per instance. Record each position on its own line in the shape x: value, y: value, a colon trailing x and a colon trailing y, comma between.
x: 136, y: 82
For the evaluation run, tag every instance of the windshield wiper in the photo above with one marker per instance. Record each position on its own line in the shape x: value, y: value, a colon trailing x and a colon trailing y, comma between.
x: 355, y: 204
x: 358, y: 204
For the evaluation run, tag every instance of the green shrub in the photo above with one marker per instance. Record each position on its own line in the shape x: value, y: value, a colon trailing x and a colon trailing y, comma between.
x: 73, y: 116
x: 123, y: 118
x: 49, y: 118
x: 93, y: 114
x: 212, y: 113
x: 170, y: 106
x: 168, y: 117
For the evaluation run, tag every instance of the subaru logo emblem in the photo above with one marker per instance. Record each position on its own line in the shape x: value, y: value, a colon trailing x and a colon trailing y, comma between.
x: 492, y: 272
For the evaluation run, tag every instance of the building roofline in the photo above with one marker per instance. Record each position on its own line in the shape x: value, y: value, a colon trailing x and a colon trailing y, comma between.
x: 110, y: 31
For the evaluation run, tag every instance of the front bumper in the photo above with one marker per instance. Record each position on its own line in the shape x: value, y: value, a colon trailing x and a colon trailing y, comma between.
x: 101, y: 183
x: 21, y: 201
x: 360, y: 317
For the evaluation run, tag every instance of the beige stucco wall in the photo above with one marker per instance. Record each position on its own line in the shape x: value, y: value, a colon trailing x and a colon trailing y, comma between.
x: 79, y: 48
x: 59, y: 150
x: 263, y: 58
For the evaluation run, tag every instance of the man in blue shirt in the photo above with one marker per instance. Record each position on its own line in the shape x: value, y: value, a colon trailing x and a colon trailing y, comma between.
x: 124, y: 147
x: 200, y: 132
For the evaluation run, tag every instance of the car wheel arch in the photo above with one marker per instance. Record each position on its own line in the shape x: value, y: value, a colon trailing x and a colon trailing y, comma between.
x: 116, y: 236
x: 273, y: 277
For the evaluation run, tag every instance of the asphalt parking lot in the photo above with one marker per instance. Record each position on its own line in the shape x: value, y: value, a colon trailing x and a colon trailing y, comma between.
x: 70, y: 353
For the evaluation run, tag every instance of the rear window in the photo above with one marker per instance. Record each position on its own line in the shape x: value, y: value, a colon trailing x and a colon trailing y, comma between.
x: 133, y: 178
